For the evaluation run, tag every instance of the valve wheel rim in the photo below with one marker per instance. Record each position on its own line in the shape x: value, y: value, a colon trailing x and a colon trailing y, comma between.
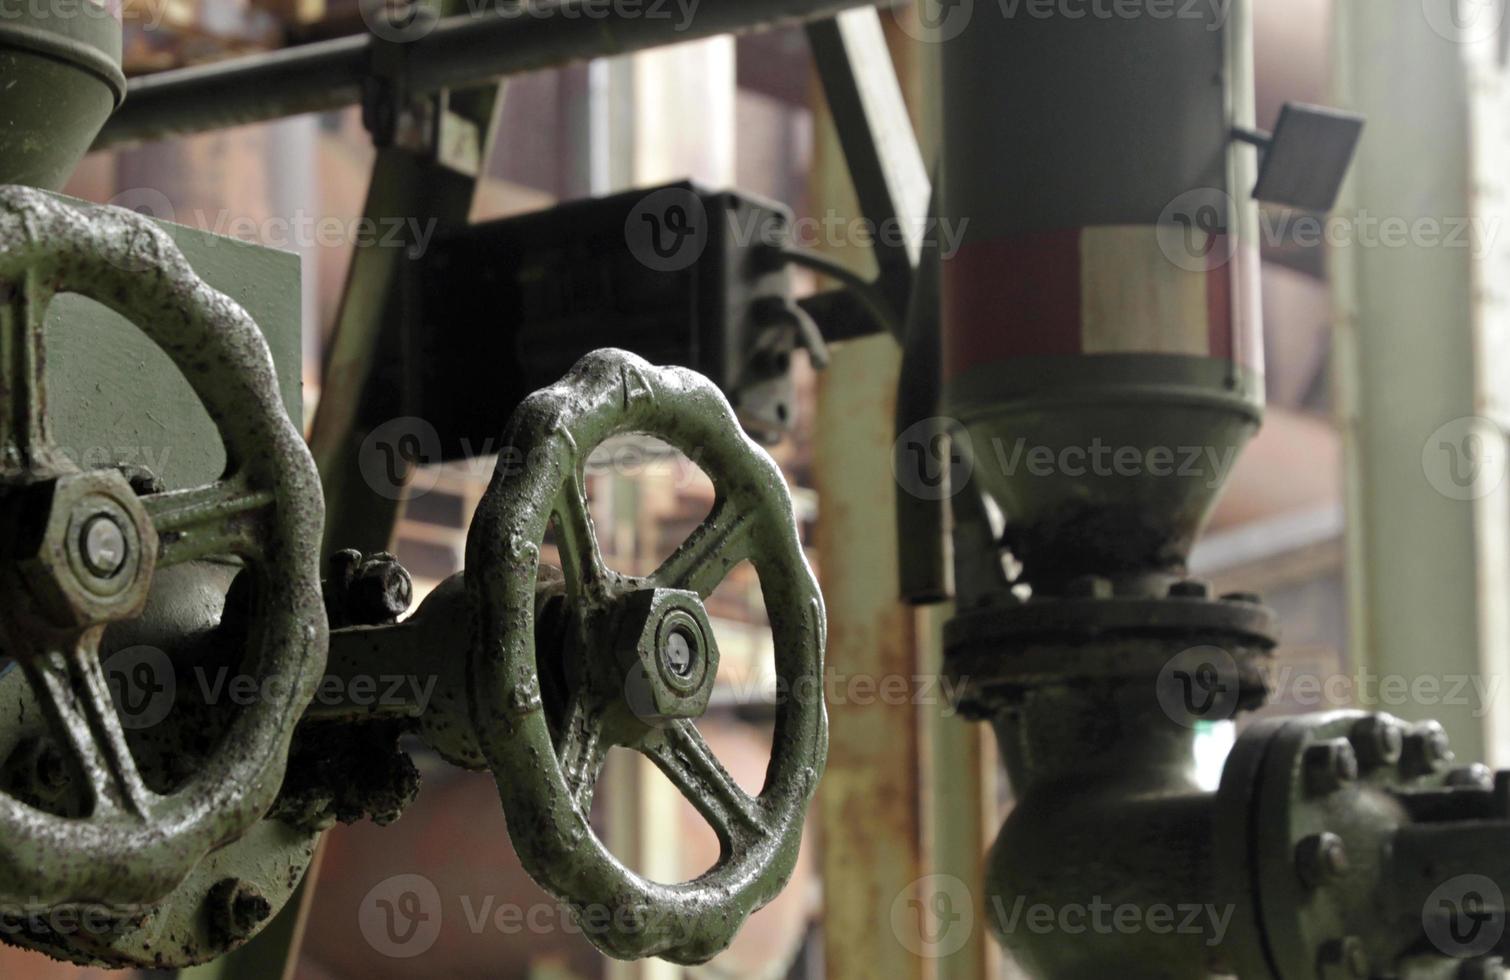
x: 265, y: 509
x: 545, y: 782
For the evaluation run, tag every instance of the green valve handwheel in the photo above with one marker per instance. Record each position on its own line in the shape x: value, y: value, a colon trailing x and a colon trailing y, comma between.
x: 637, y: 658
x: 78, y: 551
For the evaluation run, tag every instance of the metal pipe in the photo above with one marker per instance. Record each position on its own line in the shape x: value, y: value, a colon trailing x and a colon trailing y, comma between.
x: 461, y: 50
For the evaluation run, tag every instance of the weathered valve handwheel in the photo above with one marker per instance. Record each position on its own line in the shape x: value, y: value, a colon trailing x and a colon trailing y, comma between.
x: 80, y: 550
x: 638, y: 658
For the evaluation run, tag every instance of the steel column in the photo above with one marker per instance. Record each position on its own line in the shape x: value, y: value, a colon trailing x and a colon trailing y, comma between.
x: 1420, y: 330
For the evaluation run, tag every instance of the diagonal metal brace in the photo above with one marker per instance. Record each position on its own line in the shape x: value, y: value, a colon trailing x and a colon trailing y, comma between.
x: 876, y: 134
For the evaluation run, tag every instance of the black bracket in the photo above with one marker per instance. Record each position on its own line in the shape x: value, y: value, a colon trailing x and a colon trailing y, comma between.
x: 1307, y: 157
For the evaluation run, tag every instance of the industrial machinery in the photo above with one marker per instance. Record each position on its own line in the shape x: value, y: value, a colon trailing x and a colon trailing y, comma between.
x: 163, y: 820
x: 1102, y: 318
x: 1095, y: 340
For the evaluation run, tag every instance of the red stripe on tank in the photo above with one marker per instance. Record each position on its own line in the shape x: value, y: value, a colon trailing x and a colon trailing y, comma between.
x: 1009, y: 299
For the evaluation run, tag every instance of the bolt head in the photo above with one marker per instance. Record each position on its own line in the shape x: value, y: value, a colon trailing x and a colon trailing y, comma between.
x: 103, y: 545
x: 1090, y: 587
x: 667, y: 654
x: 1426, y: 750
x: 1377, y: 740
x: 381, y: 590
x: 1483, y: 968
x: 1190, y: 589
x: 235, y: 909
x: 1344, y: 958
x: 83, y: 548
x: 51, y: 768
x: 677, y: 653
x: 1321, y: 859
x: 1329, y: 766
x: 1474, y: 776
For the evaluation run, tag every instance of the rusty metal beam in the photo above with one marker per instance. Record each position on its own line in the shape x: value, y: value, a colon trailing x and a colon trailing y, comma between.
x: 870, y: 800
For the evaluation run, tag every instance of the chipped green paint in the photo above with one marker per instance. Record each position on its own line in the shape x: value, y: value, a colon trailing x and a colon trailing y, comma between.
x: 546, y: 746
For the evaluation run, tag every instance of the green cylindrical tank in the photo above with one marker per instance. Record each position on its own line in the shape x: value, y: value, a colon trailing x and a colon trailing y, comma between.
x: 1101, y: 324
x: 60, y: 78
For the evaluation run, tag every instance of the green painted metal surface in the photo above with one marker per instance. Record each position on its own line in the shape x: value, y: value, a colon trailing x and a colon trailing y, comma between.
x: 61, y: 77
x: 117, y: 398
x: 546, y: 726
x: 135, y: 819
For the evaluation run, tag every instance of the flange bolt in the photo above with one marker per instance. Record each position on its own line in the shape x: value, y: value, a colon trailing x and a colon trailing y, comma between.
x: 1089, y: 587
x: 1483, y: 968
x: 1475, y: 776
x: 1329, y: 766
x: 1320, y: 859
x: 1345, y: 957
x: 1427, y: 750
x: 1377, y: 741
x: 236, y: 908
x: 381, y: 589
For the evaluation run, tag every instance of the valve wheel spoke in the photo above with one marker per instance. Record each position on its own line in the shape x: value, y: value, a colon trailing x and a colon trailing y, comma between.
x: 24, y: 440
x: 582, y: 750
x: 71, y: 686
x: 681, y: 752
x: 702, y: 561
x: 581, y: 558
x: 224, y: 518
